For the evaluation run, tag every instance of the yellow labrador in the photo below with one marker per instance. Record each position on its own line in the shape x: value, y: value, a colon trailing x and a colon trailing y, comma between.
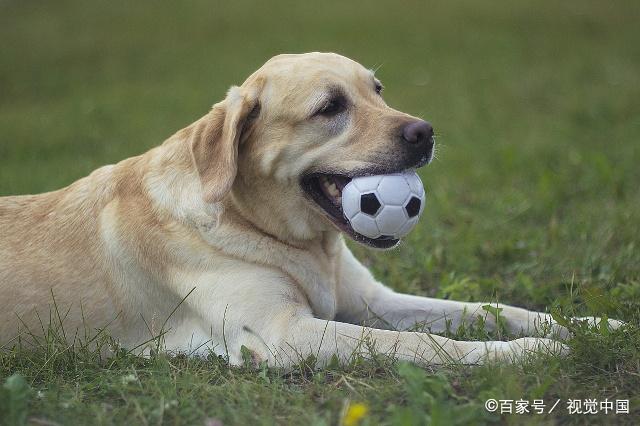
x: 242, y: 207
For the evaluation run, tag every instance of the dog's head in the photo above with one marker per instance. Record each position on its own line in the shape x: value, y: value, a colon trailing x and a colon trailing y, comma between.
x: 285, y: 143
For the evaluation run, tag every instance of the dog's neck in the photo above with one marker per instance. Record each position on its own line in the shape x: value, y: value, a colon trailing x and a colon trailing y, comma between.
x: 312, y: 266
x: 259, y: 200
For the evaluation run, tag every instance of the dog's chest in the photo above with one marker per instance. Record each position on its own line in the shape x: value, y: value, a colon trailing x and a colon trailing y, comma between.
x: 317, y: 274
x: 312, y: 267
x: 317, y: 278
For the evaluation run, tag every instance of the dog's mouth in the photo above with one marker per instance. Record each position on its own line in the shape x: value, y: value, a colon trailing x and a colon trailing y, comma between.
x: 326, y: 191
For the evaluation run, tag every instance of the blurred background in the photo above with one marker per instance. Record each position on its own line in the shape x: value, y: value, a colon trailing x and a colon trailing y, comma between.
x: 536, y: 107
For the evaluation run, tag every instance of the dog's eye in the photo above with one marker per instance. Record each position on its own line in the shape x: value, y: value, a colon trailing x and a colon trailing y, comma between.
x: 378, y: 88
x: 333, y: 107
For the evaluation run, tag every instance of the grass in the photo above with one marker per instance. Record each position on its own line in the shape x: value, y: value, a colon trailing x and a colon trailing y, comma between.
x: 533, y: 199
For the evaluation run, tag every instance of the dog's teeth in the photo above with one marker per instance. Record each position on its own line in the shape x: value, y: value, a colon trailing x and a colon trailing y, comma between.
x: 330, y: 187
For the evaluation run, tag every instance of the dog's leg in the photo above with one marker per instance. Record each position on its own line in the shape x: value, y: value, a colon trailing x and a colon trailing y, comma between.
x: 363, y: 300
x: 324, y: 339
x: 257, y: 314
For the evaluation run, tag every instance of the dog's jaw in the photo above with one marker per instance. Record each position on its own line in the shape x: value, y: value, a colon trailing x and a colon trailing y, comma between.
x: 323, y: 192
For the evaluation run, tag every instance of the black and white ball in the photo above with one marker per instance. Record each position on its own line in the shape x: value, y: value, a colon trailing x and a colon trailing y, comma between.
x: 384, y: 205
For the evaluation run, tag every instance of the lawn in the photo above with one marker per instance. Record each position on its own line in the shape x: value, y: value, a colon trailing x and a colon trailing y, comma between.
x: 533, y: 199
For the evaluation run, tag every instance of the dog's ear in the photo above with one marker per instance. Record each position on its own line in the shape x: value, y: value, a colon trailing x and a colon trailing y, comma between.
x: 215, y: 138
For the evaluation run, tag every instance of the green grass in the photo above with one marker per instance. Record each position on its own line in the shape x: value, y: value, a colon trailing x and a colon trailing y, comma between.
x: 533, y: 199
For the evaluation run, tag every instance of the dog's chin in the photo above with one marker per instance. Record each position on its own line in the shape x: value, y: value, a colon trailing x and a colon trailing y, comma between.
x: 324, y: 191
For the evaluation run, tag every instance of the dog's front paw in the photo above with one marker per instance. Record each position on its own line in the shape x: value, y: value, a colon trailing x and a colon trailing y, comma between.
x: 534, y: 344
x: 515, y: 350
x: 527, y: 345
x: 597, y: 322
x: 563, y: 328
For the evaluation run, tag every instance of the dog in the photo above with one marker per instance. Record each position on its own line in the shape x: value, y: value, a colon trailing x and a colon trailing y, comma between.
x: 229, y: 235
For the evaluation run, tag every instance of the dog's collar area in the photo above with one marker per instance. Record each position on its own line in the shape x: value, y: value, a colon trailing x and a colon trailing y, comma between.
x: 325, y: 190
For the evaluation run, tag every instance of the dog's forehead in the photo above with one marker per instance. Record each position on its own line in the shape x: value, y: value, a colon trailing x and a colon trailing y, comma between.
x: 307, y: 71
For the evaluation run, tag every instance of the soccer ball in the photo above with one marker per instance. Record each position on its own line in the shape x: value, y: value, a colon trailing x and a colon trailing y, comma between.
x: 384, y: 205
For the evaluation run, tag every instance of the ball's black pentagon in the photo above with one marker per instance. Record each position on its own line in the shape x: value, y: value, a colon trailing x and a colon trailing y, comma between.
x: 413, y: 206
x: 369, y: 204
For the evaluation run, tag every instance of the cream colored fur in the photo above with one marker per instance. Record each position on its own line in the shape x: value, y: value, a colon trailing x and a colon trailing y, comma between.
x: 218, y: 209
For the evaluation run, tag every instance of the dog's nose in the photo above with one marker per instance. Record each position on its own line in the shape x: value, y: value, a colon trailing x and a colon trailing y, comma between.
x: 419, y: 133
